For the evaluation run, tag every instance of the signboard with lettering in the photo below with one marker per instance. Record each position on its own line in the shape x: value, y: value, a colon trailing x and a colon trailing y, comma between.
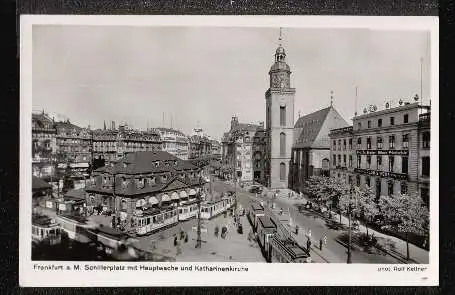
x: 384, y: 174
x: 383, y: 152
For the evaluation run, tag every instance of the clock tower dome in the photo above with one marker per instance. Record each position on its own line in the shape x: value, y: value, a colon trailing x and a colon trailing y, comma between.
x: 279, y: 121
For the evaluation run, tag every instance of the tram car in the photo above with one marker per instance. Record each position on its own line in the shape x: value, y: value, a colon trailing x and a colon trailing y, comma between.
x: 255, y: 211
x: 45, y: 230
x: 75, y: 227
x: 211, y: 209
x: 151, y: 220
x: 188, y: 210
x: 288, y: 251
x: 266, y: 230
x: 107, y: 238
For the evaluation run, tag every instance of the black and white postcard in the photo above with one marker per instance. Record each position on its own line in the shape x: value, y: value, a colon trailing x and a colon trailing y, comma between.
x: 229, y: 150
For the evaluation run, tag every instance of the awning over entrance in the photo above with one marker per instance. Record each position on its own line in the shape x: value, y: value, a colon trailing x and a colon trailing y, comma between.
x: 174, y: 196
x: 153, y: 201
x: 141, y: 202
x: 183, y: 195
x: 192, y: 192
x: 165, y: 198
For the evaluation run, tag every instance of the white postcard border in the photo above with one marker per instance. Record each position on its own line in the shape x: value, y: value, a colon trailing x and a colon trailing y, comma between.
x: 258, y: 274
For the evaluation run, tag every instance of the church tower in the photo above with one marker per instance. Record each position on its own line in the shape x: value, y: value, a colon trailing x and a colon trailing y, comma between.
x: 279, y: 121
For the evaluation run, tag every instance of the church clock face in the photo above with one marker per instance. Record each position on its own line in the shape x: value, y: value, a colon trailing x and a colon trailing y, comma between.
x: 276, y: 81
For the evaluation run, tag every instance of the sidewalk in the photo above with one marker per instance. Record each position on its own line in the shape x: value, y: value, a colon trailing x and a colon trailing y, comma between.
x: 417, y: 254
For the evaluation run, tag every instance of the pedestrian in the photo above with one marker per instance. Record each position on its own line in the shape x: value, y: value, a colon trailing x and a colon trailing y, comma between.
x: 175, y: 240
x: 320, y: 244
x: 281, y: 211
x: 289, y: 195
x: 296, y: 229
x: 308, y: 244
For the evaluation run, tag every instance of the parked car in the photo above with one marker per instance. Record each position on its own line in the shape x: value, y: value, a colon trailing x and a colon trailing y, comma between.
x: 255, y: 189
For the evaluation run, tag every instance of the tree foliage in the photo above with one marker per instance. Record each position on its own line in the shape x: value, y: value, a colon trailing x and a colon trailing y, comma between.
x: 405, y: 213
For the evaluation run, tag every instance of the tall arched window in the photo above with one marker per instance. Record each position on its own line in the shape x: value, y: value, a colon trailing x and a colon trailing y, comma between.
x: 282, y: 115
x: 282, y: 144
x: 282, y: 171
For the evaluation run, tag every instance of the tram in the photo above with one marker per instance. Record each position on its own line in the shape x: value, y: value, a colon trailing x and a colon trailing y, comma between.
x: 188, y: 210
x: 45, y: 229
x: 255, y: 211
x: 75, y: 227
x: 210, y: 209
x: 152, y: 219
x: 107, y: 238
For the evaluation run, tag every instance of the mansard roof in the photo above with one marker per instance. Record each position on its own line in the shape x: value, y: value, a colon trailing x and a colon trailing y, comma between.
x: 148, y: 162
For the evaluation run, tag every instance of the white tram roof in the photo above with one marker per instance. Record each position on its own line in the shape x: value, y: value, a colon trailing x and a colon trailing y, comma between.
x: 43, y: 221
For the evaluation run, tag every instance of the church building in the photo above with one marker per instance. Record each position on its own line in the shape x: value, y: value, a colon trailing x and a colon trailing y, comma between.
x: 294, y: 150
x: 279, y: 121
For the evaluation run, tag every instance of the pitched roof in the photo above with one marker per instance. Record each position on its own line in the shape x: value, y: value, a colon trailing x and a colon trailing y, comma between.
x: 145, y: 162
x: 310, y: 126
x: 39, y: 184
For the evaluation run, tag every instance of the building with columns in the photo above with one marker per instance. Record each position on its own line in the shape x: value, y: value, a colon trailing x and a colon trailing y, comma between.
x: 279, y: 122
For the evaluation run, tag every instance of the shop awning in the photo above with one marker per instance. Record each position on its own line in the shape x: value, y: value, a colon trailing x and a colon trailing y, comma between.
x: 183, y: 195
x: 165, y: 198
x: 140, y: 203
x: 174, y: 196
x: 153, y: 201
x: 192, y: 192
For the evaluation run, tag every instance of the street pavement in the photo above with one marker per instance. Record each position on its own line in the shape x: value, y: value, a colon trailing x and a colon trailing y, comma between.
x: 332, y: 252
x: 417, y: 254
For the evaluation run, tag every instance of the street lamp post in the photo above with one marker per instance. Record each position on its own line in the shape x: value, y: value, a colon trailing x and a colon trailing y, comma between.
x: 349, y: 241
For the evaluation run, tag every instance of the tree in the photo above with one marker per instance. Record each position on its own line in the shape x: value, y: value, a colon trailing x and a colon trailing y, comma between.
x: 405, y: 214
x: 368, y: 207
x: 68, y: 182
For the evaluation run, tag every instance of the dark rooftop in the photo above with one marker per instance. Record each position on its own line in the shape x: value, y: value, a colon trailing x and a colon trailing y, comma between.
x: 267, y: 222
x: 39, y: 184
x: 146, y: 162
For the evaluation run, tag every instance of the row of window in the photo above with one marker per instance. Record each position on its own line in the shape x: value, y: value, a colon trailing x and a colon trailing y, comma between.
x: 379, y: 142
x: 375, y: 184
x: 379, y: 122
x: 391, y: 163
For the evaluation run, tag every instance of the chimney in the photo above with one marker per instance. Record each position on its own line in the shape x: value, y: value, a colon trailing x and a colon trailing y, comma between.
x: 261, y: 124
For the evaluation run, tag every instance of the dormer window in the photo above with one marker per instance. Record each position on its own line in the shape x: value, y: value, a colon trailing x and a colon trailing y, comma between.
x: 163, y: 178
x: 175, y: 163
x: 157, y: 163
x: 124, y: 165
x: 152, y: 181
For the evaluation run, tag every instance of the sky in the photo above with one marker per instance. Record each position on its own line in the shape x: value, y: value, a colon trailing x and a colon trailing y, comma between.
x: 202, y: 76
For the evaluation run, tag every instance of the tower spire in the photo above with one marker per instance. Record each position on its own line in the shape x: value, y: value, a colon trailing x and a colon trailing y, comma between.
x: 281, y: 36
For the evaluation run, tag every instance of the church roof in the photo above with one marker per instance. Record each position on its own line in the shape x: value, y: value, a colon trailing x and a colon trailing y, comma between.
x: 310, y: 127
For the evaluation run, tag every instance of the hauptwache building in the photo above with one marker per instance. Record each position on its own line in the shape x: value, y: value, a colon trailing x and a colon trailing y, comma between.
x: 388, y: 150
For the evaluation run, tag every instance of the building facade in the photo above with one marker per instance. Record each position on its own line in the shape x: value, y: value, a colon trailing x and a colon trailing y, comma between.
x: 142, y: 180
x: 279, y: 121
x: 390, y: 150
x: 113, y: 144
x: 237, y: 150
x: 44, y: 145
x: 311, y: 148
x: 174, y: 142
